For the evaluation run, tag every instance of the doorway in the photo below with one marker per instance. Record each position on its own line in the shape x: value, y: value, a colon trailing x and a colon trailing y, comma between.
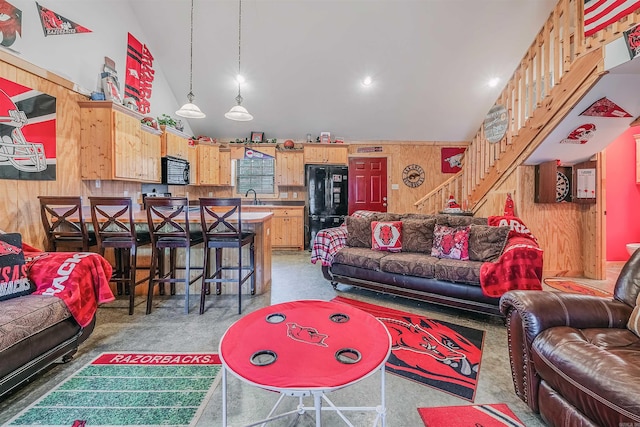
x: 368, y: 184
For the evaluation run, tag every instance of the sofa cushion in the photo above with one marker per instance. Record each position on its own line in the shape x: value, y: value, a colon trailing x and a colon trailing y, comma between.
x: 359, y: 257
x: 486, y: 243
x: 23, y: 317
x: 417, y: 235
x: 450, y: 242
x: 358, y: 232
x: 409, y: 264
x: 13, y: 271
x: 453, y: 270
x: 596, y: 370
x: 386, y: 236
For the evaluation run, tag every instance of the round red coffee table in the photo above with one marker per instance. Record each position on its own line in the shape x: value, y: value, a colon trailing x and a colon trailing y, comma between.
x: 306, y: 348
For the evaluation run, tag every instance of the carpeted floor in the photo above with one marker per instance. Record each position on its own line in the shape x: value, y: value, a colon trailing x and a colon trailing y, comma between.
x: 168, y: 329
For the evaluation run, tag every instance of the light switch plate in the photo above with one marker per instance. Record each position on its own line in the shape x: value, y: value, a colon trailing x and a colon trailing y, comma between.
x: 395, y: 187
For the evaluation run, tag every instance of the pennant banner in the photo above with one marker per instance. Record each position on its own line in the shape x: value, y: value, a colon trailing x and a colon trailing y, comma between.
x: 598, y: 14
x: 254, y: 154
x: 139, y: 75
x: 10, y: 23
x: 604, y: 107
x: 54, y: 24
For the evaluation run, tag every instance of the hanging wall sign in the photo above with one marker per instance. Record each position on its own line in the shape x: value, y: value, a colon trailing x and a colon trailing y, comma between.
x: 495, y: 123
x: 10, y: 24
x: 413, y: 176
x: 451, y: 159
x: 632, y: 38
x: 27, y: 133
x: 54, y: 24
x: 604, y: 107
x: 580, y: 135
x: 139, y: 74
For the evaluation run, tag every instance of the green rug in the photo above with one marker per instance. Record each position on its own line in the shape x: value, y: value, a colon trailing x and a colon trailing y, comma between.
x: 124, y: 389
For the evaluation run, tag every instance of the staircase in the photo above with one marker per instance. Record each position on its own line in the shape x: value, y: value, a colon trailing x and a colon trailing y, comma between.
x: 559, y: 68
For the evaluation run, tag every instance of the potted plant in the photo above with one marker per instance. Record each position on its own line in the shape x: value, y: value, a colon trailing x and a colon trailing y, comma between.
x: 166, y: 120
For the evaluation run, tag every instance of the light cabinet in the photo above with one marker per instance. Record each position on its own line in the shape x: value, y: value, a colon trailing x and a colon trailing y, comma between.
x: 114, y: 146
x: 332, y: 154
x: 213, y: 165
x: 224, y: 171
x: 290, y: 168
x: 174, y: 143
x: 287, y: 225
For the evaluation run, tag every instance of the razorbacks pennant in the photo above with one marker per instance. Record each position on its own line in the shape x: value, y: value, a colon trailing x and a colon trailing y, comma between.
x: 604, y: 107
x: 27, y: 133
x: 54, y: 24
x: 598, y: 14
x: 10, y: 23
x: 255, y: 154
x: 139, y: 76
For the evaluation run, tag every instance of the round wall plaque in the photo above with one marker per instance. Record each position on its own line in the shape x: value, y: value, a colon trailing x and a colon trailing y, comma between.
x: 495, y: 124
x: 413, y: 176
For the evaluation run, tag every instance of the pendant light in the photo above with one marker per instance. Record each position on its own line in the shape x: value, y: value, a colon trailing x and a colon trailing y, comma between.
x: 190, y: 110
x: 238, y: 112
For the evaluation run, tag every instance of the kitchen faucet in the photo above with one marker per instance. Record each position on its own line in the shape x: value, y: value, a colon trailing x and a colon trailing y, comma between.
x: 255, y: 195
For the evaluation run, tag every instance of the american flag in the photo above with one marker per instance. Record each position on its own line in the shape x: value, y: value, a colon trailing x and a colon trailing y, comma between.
x: 598, y: 14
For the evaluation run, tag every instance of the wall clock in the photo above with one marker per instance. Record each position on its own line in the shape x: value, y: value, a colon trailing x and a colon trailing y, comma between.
x: 563, y: 187
x: 413, y: 176
x: 495, y: 123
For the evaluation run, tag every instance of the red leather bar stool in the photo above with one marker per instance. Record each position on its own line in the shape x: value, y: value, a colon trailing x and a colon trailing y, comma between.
x: 168, y: 220
x: 221, y: 221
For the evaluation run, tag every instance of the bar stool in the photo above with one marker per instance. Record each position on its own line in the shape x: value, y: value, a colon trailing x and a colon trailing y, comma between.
x: 219, y: 233
x: 112, y: 219
x: 168, y: 219
x: 61, y: 232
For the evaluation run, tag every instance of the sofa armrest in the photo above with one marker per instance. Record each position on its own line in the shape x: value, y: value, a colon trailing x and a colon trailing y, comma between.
x: 327, y: 243
x: 528, y: 313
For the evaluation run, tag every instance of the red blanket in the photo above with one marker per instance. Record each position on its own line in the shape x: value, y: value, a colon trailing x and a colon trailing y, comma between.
x: 515, y: 269
x: 80, y: 279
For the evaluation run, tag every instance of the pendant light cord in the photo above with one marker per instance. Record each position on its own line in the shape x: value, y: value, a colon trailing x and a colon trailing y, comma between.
x: 239, y: 44
x: 190, y: 95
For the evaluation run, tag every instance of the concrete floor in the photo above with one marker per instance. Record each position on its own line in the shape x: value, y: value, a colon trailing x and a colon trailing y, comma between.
x: 168, y: 329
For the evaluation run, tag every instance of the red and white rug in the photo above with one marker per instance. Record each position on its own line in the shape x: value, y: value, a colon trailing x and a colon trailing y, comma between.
x: 435, y: 353
x: 494, y: 415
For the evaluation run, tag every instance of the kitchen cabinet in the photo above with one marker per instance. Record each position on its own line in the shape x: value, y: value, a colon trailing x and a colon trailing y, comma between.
x: 552, y: 183
x: 224, y: 157
x: 331, y: 154
x: 114, y: 145
x: 174, y: 143
x: 287, y: 225
x: 213, y: 165
x: 290, y: 168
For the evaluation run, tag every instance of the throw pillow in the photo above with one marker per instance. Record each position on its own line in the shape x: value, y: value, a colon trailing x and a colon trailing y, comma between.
x: 634, y: 320
x: 386, y: 236
x: 417, y: 235
x: 451, y: 242
x: 486, y: 242
x: 358, y: 232
x: 517, y: 226
x: 13, y: 271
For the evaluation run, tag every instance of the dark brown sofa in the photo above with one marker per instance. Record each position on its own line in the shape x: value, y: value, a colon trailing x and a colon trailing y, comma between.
x: 573, y: 360
x: 496, y: 257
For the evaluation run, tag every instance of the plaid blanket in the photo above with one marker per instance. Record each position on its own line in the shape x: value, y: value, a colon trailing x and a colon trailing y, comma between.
x: 330, y: 240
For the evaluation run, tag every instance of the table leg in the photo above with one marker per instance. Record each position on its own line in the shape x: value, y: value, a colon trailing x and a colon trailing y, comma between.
x: 317, y: 395
x: 383, y: 408
x: 224, y: 396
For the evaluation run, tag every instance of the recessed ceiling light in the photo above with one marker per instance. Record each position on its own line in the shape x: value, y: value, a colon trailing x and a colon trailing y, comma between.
x: 494, y: 82
x: 367, y: 81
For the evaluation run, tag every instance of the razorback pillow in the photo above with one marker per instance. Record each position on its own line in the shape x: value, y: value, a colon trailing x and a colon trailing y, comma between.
x: 386, y: 236
x: 518, y: 228
x: 13, y: 271
x: 451, y: 242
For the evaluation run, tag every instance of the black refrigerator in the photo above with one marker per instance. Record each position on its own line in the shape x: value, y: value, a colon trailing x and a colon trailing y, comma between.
x: 327, y: 189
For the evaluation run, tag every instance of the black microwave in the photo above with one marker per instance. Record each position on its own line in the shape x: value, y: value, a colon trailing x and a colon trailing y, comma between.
x: 175, y: 171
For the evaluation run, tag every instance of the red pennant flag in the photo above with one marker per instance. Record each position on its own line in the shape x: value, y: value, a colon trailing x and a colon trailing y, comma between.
x: 54, y: 24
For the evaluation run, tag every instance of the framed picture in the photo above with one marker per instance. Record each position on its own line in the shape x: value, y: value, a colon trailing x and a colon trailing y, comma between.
x: 325, y: 137
x: 257, y: 136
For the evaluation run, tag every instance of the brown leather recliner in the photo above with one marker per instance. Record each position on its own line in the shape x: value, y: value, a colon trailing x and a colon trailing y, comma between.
x: 573, y: 359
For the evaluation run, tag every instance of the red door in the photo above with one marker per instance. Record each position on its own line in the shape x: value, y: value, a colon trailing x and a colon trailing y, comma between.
x: 368, y: 184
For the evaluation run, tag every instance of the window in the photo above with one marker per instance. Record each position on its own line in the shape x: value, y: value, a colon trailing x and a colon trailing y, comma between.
x: 258, y: 174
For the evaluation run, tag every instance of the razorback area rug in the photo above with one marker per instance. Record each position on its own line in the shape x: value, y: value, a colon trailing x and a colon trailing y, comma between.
x: 126, y: 389
x: 435, y: 353
x: 494, y: 415
x: 566, y: 285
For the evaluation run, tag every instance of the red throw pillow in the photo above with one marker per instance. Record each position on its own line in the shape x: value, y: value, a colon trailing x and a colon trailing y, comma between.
x: 517, y: 226
x: 451, y: 242
x: 386, y: 236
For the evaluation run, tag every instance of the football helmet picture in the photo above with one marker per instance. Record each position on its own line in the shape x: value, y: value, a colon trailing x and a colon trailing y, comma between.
x: 14, y: 148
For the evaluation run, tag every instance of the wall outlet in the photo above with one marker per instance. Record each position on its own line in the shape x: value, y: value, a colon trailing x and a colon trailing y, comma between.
x: 98, y: 183
x: 395, y: 187
x: 210, y: 193
x: 284, y: 195
x: 295, y: 195
x: 126, y: 193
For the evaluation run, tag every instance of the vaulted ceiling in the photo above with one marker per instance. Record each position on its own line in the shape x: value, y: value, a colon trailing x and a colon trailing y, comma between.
x: 304, y: 60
